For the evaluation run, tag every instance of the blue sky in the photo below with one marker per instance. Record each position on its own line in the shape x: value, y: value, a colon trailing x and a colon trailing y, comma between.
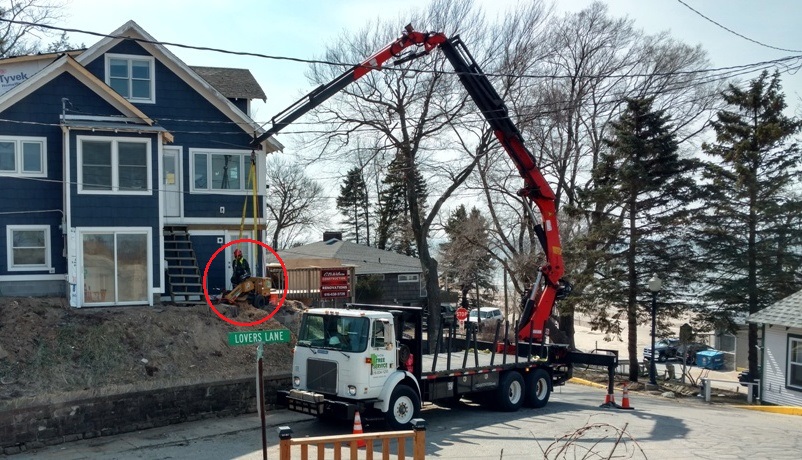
x: 302, y: 28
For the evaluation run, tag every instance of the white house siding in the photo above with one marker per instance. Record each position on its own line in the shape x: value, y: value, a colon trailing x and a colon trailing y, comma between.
x: 775, y: 362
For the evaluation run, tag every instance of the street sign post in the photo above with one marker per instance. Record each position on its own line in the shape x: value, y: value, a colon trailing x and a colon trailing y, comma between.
x: 461, y: 314
x: 260, y: 338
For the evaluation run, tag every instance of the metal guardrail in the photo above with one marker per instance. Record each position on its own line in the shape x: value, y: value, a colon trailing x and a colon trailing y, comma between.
x: 750, y: 392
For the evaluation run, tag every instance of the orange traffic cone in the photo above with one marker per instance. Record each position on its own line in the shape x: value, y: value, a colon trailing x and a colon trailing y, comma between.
x: 609, y: 400
x: 625, y: 398
x: 358, y: 429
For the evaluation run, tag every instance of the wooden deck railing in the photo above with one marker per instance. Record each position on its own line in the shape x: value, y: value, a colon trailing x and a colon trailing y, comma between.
x: 417, y: 434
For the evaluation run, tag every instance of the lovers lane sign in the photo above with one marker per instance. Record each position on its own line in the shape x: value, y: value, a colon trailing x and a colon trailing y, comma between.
x: 334, y: 283
x: 257, y: 337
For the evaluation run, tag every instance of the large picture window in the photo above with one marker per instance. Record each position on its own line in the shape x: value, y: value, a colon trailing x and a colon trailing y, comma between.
x: 114, y: 165
x: 115, y: 266
x: 795, y: 362
x: 22, y: 156
x: 131, y: 77
x: 28, y: 247
x: 217, y: 171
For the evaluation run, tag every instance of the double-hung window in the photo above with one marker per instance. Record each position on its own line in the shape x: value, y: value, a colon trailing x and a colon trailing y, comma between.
x: 23, y: 156
x: 131, y: 77
x: 28, y: 247
x: 220, y: 171
x: 114, y: 165
x: 794, y: 377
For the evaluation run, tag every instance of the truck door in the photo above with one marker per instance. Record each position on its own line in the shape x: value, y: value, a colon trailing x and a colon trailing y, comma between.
x: 382, y: 353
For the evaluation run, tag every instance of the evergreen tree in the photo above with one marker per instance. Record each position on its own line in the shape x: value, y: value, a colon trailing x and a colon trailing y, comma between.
x: 466, y: 257
x: 394, y: 229
x: 751, y: 235
x: 646, y: 186
x: 354, y: 205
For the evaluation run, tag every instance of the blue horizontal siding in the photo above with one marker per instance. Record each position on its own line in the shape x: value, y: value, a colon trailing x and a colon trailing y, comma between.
x: 195, y: 123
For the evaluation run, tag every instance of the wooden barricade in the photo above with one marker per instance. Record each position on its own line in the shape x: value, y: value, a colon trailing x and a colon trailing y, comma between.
x: 417, y: 434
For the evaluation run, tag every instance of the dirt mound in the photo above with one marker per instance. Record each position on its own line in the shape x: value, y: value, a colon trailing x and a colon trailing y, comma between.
x: 49, y: 350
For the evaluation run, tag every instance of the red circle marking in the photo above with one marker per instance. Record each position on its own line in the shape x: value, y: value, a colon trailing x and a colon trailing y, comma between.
x: 461, y: 314
x: 206, y: 289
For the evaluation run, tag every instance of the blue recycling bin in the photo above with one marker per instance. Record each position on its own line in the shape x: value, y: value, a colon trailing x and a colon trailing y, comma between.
x: 710, y: 359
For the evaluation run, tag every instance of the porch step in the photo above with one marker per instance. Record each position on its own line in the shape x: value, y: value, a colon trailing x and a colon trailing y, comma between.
x: 183, y: 276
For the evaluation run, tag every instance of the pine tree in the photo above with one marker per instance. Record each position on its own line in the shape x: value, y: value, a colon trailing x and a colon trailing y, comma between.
x: 751, y: 234
x: 354, y: 205
x: 646, y: 187
x: 466, y: 259
x: 394, y: 230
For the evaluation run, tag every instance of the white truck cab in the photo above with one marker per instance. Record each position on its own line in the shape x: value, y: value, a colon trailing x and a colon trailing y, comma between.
x: 348, y: 360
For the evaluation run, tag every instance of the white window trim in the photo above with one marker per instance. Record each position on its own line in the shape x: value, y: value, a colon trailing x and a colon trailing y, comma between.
x: 788, y: 383
x: 115, y: 166
x: 246, y: 169
x: 18, y: 157
x: 136, y: 57
x: 409, y: 278
x: 10, y: 247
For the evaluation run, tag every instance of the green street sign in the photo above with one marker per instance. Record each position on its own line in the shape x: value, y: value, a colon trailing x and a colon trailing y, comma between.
x: 257, y: 337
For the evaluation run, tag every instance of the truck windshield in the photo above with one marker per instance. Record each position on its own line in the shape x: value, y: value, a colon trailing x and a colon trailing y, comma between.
x: 342, y: 333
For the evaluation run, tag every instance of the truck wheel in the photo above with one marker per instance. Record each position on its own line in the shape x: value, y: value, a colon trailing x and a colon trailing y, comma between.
x: 510, y: 392
x: 404, y: 406
x: 661, y: 358
x: 538, y: 388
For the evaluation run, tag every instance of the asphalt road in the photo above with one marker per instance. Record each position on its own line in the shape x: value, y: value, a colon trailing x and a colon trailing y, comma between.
x: 657, y: 428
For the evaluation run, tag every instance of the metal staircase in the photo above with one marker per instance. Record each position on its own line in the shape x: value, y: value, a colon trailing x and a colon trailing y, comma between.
x: 183, y: 276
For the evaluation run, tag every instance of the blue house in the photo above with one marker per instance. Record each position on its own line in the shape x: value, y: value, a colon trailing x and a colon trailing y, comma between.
x: 123, y: 170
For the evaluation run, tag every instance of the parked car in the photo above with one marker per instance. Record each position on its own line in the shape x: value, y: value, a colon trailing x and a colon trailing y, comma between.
x: 666, y: 349
x: 688, y: 351
x: 485, y: 314
x: 745, y: 377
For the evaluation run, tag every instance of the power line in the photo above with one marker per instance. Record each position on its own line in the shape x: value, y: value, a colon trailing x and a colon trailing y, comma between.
x: 736, y: 33
x: 344, y: 64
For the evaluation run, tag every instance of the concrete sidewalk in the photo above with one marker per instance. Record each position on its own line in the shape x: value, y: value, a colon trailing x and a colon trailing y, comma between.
x: 170, y: 435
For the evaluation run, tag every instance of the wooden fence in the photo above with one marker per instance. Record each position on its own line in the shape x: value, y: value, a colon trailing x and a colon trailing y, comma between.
x: 349, y: 443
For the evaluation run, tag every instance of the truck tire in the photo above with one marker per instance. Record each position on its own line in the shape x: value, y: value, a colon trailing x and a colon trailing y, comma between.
x: 404, y: 406
x: 538, y: 388
x: 510, y: 392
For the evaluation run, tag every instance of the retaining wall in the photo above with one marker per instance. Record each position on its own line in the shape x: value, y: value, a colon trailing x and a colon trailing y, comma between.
x: 49, y: 424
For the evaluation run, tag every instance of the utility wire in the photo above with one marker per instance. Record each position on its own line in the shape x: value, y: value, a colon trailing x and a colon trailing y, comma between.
x: 343, y: 64
x: 736, y: 33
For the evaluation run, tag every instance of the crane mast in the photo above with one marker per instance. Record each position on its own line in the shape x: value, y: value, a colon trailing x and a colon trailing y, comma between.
x: 549, y: 286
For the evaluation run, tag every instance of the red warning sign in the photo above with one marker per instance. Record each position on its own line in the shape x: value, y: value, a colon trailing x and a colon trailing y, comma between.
x: 334, y: 283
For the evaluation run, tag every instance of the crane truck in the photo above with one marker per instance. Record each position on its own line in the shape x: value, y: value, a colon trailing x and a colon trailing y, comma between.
x: 373, y: 358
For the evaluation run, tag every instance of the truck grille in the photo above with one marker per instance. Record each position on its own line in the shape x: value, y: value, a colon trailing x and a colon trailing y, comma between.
x: 321, y: 376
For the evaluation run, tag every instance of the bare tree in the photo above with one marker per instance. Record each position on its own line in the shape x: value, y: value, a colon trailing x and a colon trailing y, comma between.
x: 20, y: 39
x: 413, y: 108
x: 294, y: 201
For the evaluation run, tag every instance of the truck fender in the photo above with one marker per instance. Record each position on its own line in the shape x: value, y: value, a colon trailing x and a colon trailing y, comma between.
x: 392, y: 381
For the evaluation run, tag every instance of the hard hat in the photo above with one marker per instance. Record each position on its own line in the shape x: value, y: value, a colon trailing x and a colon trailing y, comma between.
x: 237, y: 253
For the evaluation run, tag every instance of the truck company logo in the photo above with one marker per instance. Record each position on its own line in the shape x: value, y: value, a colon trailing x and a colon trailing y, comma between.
x: 378, y: 364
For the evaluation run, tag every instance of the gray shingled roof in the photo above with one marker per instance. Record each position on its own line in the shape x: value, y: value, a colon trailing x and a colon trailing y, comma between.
x: 232, y: 83
x: 786, y: 312
x: 368, y: 260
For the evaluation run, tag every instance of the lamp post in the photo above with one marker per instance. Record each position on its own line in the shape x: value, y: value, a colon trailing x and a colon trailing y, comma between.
x: 654, y: 285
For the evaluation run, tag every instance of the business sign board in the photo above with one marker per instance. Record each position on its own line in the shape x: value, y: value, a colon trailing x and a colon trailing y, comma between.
x: 334, y: 283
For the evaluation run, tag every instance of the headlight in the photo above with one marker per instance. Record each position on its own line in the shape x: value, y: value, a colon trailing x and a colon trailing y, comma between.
x: 351, y: 390
x: 296, y: 381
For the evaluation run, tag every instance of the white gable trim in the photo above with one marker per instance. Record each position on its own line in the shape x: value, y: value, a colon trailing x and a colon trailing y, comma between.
x: 132, y: 30
x: 69, y: 65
